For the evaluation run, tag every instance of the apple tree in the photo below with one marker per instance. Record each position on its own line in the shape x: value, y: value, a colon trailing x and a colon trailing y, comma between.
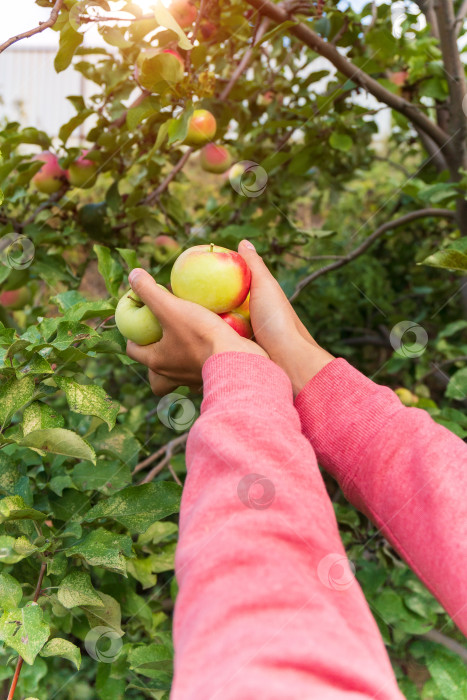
x: 366, y: 235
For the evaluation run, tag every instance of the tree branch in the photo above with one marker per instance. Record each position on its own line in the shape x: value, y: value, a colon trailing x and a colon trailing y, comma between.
x: 435, y: 154
x: 42, y: 25
x: 455, y: 76
x: 359, y: 250
x: 356, y: 74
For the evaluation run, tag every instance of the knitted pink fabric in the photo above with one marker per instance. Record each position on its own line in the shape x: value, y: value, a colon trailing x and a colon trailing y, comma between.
x: 406, y: 472
x: 268, y: 608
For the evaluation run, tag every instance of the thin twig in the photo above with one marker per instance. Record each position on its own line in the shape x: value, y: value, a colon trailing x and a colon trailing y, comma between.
x: 445, y: 363
x: 154, y: 196
x: 246, y: 58
x: 440, y: 638
x: 42, y: 25
x: 19, y: 663
x: 194, y: 34
x: 359, y: 250
x: 176, y: 442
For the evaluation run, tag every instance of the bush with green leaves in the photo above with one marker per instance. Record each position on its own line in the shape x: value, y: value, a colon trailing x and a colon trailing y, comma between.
x: 365, y: 236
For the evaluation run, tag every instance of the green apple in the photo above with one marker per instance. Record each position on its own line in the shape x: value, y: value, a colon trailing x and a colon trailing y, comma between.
x: 406, y: 396
x: 50, y: 178
x: 83, y: 172
x: 214, y: 277
x: 201, y: 128
x: 136, y: 321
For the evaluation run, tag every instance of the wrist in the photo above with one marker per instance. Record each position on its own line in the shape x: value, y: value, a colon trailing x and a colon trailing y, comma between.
x: 306, y: 360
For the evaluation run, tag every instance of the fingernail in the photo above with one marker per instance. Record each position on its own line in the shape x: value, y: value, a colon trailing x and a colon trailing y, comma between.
x: 132, y: 277
x: 248, y: 244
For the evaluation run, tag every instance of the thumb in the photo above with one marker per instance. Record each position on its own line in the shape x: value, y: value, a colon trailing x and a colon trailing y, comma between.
x: 162, y: 303
x: 261, y: 279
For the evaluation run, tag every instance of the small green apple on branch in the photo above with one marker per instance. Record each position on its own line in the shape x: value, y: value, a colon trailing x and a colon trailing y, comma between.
x: 214, y: 277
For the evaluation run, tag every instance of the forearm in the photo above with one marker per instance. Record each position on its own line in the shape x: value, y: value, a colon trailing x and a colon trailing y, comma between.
x: 258, y: 612
x: 406, y: 472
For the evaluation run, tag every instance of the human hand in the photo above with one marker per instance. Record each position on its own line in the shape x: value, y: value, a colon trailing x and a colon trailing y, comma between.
x: 277, y: 327
x: 191, y: 334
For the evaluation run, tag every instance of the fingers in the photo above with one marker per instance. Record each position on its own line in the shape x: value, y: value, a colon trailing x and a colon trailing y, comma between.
x: 162, y: 303
x: 148, y: 355
x: 161, y: 385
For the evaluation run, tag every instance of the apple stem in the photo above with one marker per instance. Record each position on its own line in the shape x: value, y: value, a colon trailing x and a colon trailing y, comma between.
x: 212, y: 247
x: 137, y: 301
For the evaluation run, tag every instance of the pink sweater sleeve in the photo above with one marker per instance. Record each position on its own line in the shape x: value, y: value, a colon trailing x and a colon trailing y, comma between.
x: 267, y: 606
x: 406, y: 472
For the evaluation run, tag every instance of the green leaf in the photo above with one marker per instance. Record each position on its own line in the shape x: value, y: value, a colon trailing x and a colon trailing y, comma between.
x: 24, y: 630
x: 449, y: 673
x: 102, y: 476
x: 165, y: 19
x: 177, y: 129
x: 448, y: 258
x: 457, y: 387
x: 70, y: 39
x: 37, y: 365
x: 89, y: 400
x: 40, y: 416
x: 64, y: 649
x: 110, y: 269
x: 148, y: 107
x: 67, y: 129
x: 136, y: 507
x: 8, y: 554
x: 103, y: 548
x: 129, y: 256
x: 107, y: 614
x: 77, y: 589
x: 119, y: 442
x: 150, y: 657
x: 142, y: 570
x: 115, y: 37
x: 341, y: 142
x: 59, y: 441
x: 10, y: 591
x: 157, y: 532
x: 452, y: 328
x: 14, y: 394
x: 90, y: 309
x: 14, y: 508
